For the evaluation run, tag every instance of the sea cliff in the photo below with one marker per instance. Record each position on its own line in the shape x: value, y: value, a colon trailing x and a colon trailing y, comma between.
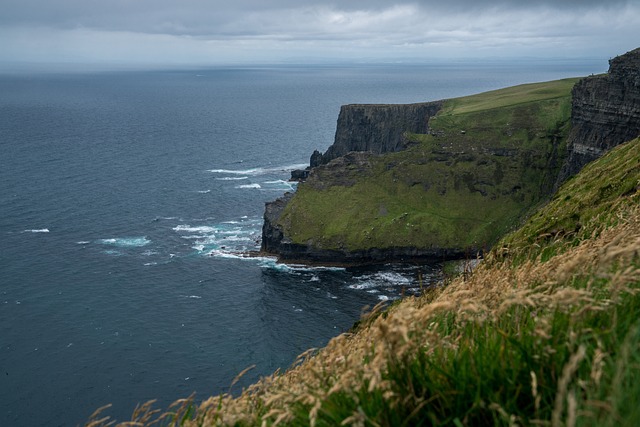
x: 379, y: 128
x: 605, y: 112
x: 447, y: 179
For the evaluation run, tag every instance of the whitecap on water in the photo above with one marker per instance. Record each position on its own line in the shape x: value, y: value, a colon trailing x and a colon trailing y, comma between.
x: 232, y: 178
x: 37, y: 230
x: 280, y: 185
x: 388, y: 280
x: 272, y: 262
x: 259, y: 170
x: 255, y: 186
x: 228, y: 239
x: 224, y: 254
x: 125, y: 242
x: 196, y: 229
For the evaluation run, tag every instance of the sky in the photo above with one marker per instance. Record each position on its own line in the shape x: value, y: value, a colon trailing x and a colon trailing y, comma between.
x: 216, y: 32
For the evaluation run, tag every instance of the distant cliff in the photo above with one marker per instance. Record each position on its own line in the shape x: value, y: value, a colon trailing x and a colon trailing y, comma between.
x: 378, y: 128
x: 605, y: 112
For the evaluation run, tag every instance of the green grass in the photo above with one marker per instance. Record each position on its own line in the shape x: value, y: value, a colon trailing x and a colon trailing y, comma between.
x: 509, y: 97
x: 489, y: 160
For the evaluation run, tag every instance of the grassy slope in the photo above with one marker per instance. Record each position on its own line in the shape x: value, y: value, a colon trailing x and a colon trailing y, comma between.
x: 450, y: 189
x: 545, y: 332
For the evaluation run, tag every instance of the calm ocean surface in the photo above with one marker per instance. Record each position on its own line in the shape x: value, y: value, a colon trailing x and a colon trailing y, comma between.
x: 124, y: 197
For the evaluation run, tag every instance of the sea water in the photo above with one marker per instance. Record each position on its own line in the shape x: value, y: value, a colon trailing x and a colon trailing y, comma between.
x: 127, y: 200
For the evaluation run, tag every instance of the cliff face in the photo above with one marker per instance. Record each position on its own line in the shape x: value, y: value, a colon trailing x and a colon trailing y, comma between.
x: 605, y: 112
x: 378, y: 128
x: 444, y: 179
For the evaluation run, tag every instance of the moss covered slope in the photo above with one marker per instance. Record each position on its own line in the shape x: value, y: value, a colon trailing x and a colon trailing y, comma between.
x: 487, y: 160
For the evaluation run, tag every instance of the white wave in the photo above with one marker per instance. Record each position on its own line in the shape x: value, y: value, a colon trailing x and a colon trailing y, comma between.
x: 125, y: 242
x: 236, y: 238
x: 257, y: 186
x: 272, y: 262
x: 204, y: 191
x: 192, y: 296
x: 386, y: 278
x: 224, y: 254
x: 37, y: 230
x: 384, y: 298
x: 363, y: 285
x: 232, y: 178
x: 259, y: 170
x: 281, y: 184
x: 197, y: 229
x: 82, y: 242
x: 113, y: 252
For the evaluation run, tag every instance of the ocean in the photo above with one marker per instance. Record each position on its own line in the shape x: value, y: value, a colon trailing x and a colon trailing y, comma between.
x: 126, y: 198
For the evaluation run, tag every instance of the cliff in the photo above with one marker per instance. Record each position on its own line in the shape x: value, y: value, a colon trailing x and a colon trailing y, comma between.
x: 605, y: 112
x: 378, y: 128
x: 449, y: 178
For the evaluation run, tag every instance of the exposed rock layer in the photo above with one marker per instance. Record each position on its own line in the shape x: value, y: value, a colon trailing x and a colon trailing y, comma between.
x: 605, y: 112
x: 378, y: 128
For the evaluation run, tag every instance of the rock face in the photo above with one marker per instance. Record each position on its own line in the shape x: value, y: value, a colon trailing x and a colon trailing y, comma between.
x: 605, y: 112
x: 272, y: 235
x: 378, y: 128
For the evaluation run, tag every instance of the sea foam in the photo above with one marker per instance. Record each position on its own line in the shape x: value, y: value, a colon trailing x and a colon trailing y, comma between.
x: 259, y: 170
x: 125, y: 242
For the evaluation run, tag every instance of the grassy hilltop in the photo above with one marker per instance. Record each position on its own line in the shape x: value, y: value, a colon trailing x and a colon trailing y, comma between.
x: 486, y: 162
x: 545, y: 332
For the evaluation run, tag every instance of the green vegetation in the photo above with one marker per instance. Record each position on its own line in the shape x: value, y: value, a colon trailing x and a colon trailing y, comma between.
x: 488, y: 160
x: 545, y: 332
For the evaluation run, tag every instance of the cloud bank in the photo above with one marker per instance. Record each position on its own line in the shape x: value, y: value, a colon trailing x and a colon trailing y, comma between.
x: 173, y: 32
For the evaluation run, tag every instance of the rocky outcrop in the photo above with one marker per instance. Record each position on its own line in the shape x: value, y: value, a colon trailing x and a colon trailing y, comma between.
x: 605, y: 112
x: 272, y: 235
x: 373, y: 128
x: 378, y: 128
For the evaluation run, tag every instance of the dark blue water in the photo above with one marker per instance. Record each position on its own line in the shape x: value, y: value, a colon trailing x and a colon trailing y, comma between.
x: 125, y: 200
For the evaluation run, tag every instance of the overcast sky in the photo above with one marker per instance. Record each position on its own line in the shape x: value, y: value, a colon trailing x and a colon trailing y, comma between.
x: 210, y: 32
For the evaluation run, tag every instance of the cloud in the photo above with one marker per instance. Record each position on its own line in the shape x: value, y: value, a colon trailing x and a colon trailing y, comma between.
x: 212, y: 31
